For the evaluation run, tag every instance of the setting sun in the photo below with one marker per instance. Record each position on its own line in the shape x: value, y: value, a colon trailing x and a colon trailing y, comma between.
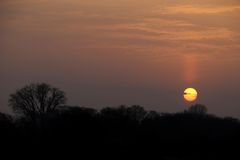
x: 190, y: 94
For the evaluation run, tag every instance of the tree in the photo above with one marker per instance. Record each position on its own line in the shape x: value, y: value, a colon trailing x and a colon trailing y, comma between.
x: 36, y: 99
x: 5, y: 122
x: 134, y: 113
x: 198, y: 109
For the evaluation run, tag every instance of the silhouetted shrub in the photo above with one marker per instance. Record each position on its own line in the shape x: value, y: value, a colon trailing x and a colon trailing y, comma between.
x: 197, y: 109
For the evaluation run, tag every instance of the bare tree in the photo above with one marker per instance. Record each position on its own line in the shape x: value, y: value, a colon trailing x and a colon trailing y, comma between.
x: 36, y: 99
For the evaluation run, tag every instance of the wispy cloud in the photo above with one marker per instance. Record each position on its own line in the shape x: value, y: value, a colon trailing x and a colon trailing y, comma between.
x: 197, y: 9
x: 171, y: 30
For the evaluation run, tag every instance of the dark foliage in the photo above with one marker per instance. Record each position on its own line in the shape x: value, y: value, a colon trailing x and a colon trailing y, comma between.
x: 197, y: 109
x: 119, y: 132
x: 124, y: 131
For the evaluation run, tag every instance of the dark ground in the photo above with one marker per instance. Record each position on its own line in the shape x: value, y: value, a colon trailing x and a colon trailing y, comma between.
x: 123, y: 132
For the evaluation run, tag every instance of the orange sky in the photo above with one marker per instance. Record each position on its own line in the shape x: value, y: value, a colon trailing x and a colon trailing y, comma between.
x: 109, y: 52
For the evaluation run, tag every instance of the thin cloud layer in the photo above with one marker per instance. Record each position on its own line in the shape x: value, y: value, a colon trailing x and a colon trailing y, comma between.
x: 198, y: 9
x: 148, y: 46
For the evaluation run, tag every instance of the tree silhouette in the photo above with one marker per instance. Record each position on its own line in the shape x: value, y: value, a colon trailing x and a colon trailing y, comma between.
x: 36, y: 99
x: 198, y: 109
x: 129, y: 130
x: 5, y: 122
x: 134, y: 113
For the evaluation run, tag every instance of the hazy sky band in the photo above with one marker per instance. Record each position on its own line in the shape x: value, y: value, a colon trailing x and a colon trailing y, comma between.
x: 113, y: 52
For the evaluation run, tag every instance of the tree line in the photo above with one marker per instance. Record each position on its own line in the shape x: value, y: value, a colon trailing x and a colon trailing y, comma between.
x: 43, y: 120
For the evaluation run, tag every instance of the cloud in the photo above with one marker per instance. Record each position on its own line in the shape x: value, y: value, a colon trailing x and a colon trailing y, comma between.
x: 175, y: 30
x: 199, y: 9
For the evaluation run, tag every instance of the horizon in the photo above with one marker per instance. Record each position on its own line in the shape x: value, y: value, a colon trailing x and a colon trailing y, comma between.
x: 111, y: 53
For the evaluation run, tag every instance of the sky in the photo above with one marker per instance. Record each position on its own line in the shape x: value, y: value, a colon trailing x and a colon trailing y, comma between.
x: 113, y: 52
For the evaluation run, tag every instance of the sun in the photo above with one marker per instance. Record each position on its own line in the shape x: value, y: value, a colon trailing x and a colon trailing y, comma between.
x: 190, y: 94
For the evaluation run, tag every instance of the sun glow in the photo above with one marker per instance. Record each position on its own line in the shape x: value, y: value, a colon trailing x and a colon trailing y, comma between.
x: 190, y: 94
